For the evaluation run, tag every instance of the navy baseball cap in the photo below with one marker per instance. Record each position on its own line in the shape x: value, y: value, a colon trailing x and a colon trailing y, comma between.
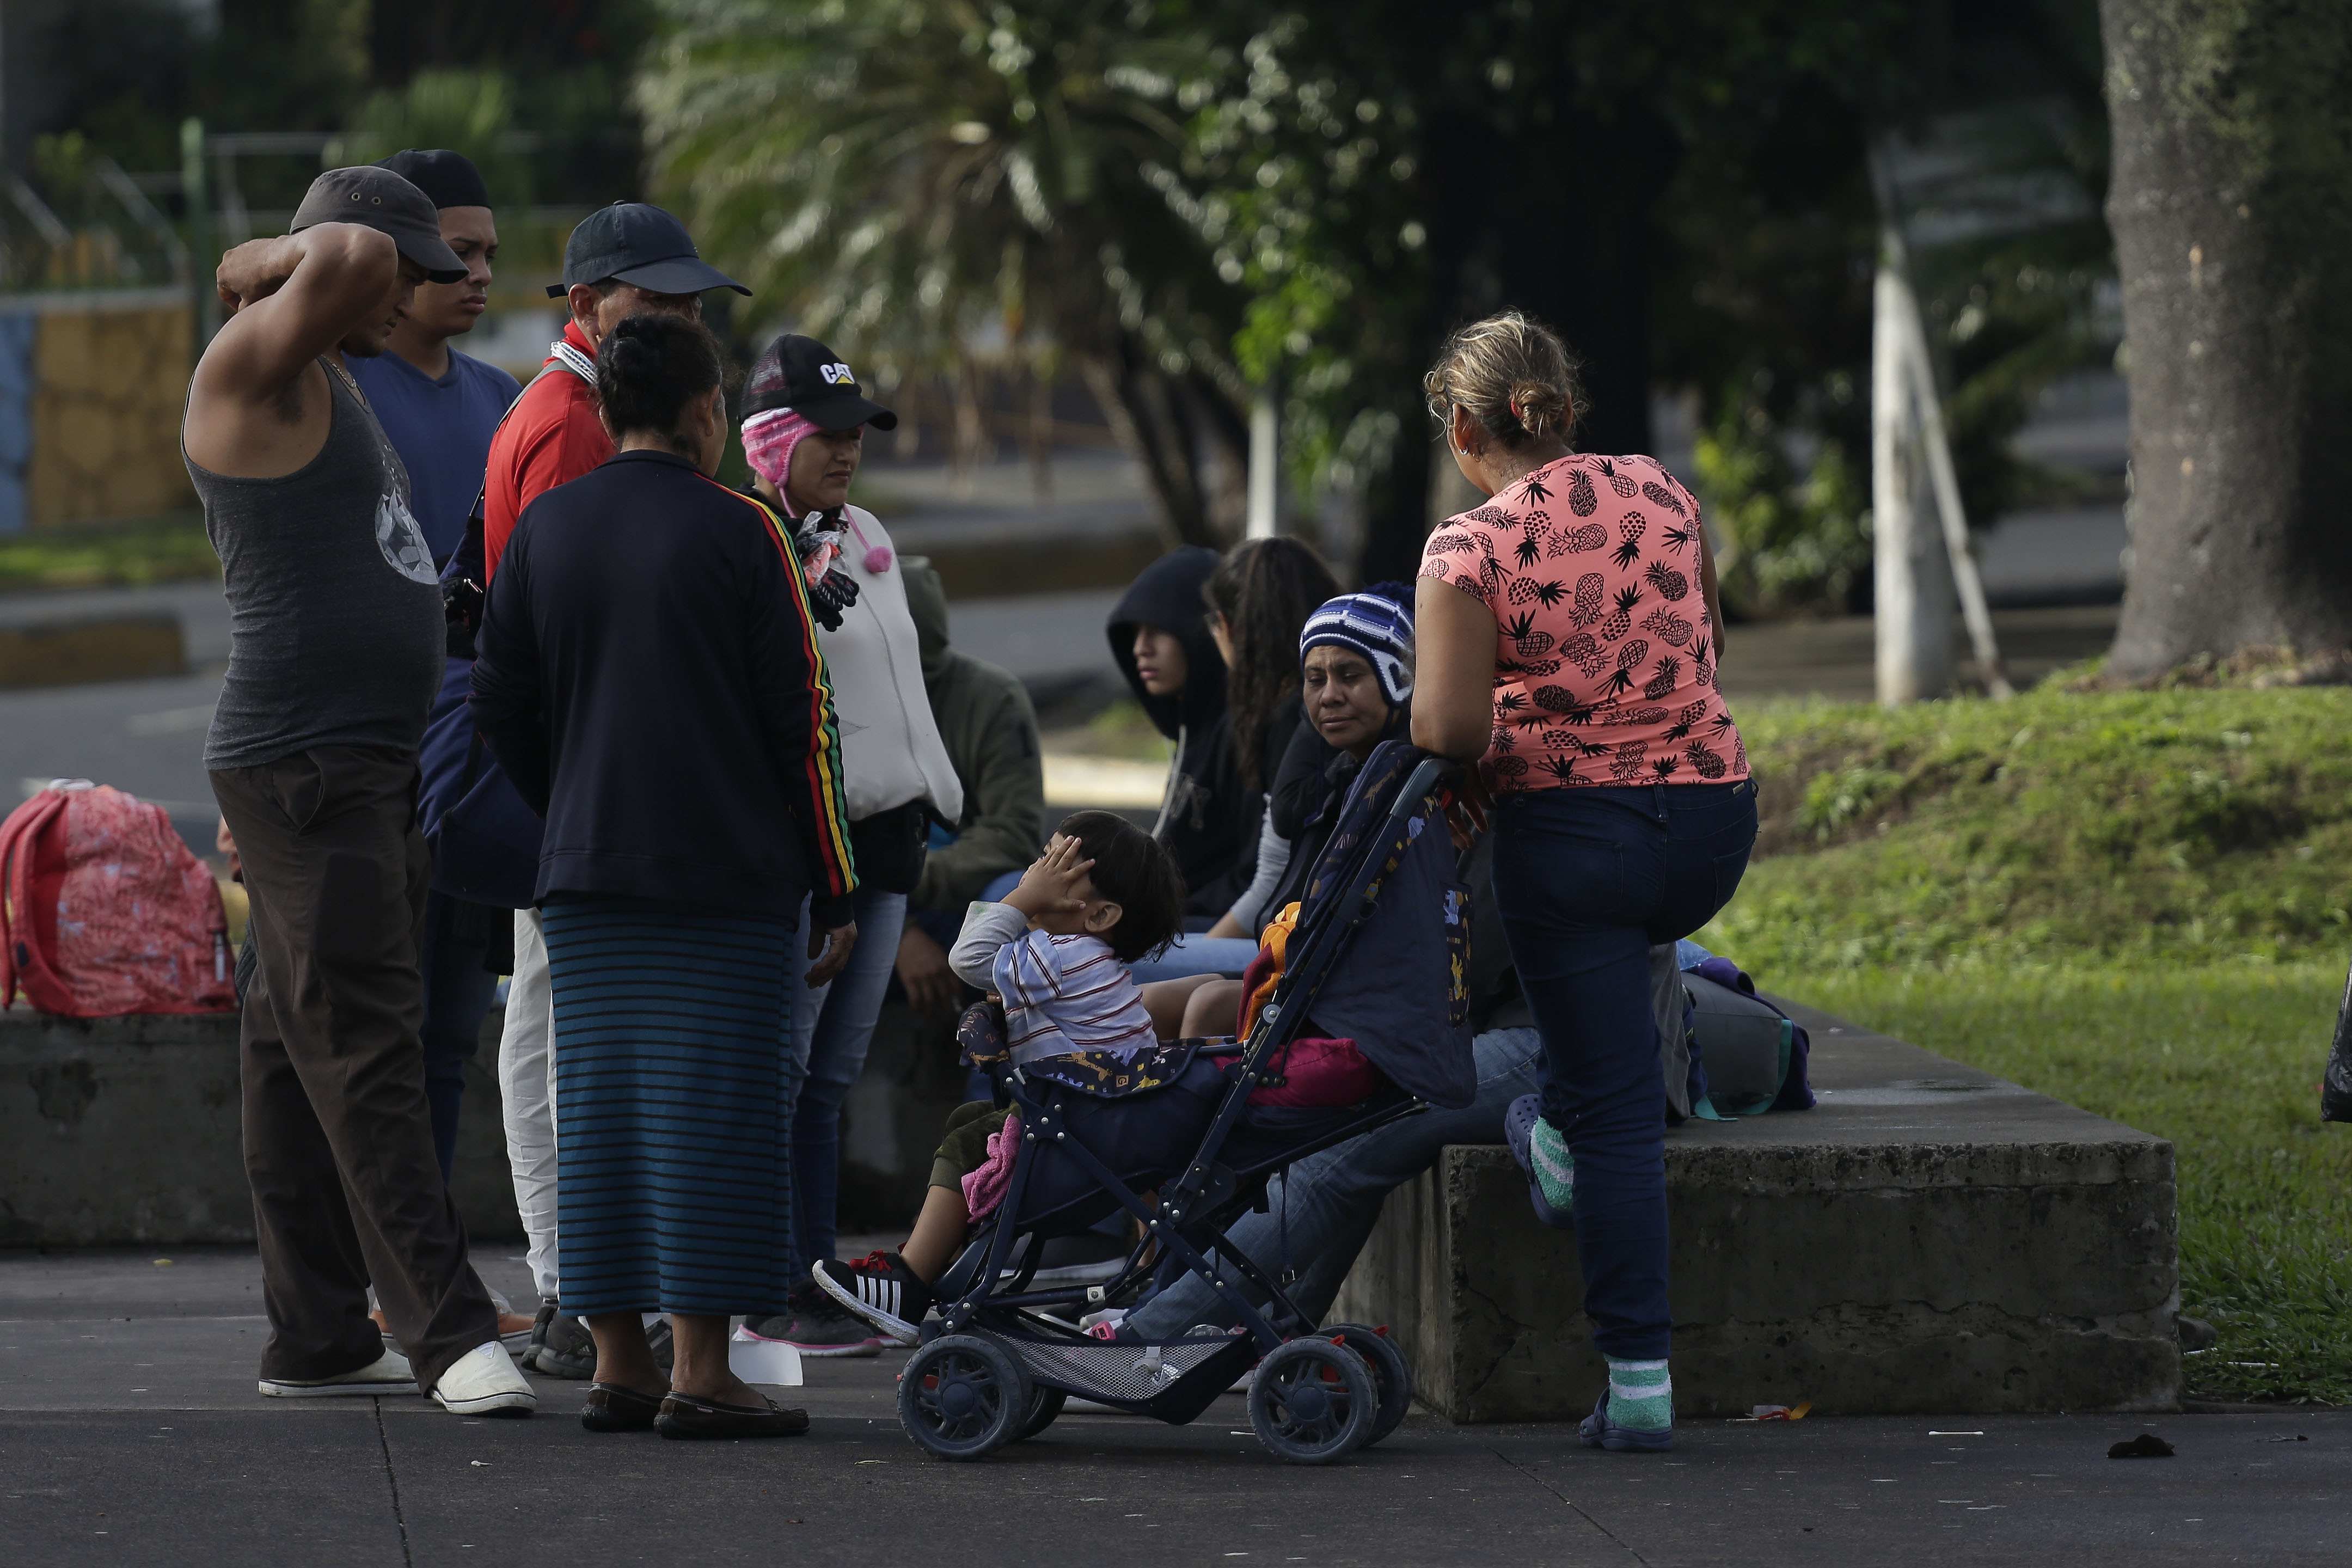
x: 448, y: 179
x: 634, y: 243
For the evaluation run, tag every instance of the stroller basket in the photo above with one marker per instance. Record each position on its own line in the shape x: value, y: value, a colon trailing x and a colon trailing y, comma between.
x: 1002, y: 1357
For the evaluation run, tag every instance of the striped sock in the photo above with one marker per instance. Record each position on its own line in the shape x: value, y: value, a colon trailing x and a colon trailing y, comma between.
x: 1555, y: 1166
x: 1641, y: 1395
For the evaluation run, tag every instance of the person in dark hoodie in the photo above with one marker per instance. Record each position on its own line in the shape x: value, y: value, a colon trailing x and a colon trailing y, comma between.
x: 1209, y: 816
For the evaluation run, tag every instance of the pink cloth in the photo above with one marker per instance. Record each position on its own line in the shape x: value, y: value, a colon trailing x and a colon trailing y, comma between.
x: 768, y: 441
x: 1320, y: 1072
x: 984, y: 1188
x: 1605, y: 659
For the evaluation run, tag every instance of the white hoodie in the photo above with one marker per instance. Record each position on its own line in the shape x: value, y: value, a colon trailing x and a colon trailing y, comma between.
x: 891, y: 752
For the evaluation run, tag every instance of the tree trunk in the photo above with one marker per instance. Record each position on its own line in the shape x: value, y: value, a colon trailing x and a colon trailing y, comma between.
x: 1148, y: 413
x: 1508, y: 231
x: 2232, y: 208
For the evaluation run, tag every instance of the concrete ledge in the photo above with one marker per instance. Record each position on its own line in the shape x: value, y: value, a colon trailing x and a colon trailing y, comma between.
x: 997, y: 567
x: 1930, y: 1240
x: 77, y: 651
x: 127, y: 1131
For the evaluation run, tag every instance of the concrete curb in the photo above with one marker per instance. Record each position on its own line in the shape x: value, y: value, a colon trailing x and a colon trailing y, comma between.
x: 91, y: 648
x: 1003, y: 568
x: 1929, y: 1239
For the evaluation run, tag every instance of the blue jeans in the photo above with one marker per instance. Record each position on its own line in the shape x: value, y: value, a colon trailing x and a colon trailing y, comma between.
x: 1328, y: 1203
x: 1193, y: 954
x: 832, y: 1027
x: 1588, y: 878
x: 458, y: 991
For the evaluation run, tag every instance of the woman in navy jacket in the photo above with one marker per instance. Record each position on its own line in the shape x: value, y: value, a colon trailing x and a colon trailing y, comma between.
x: 649, y: 678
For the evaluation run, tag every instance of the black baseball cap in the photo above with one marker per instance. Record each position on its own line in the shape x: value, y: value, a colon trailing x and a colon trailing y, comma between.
x: 637, y: 244
x: 804, y: 375
x: 448, y: 179
x: 381, y: 200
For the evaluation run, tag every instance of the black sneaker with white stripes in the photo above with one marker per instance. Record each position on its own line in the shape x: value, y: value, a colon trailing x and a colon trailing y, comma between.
x: 880, y: 1289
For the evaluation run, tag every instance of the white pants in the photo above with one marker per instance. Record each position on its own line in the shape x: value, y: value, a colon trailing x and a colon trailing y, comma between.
x: 526, y: 1080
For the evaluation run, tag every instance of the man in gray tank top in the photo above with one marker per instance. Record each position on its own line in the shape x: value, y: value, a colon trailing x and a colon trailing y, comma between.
x: 335, y: 658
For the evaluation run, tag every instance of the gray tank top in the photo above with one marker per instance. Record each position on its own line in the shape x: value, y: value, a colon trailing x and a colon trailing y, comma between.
x: 336, y: 630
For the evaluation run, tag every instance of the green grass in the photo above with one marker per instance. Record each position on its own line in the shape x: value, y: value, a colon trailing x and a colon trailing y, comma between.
x: 168, y: 549
x: 2136, y: 902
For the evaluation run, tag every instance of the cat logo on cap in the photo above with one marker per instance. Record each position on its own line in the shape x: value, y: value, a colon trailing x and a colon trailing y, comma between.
x: 836, y: 375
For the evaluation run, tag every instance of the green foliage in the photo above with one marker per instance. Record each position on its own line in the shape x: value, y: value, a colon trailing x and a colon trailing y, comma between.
x: 2222, y: 1061
x: 1836, y: 800
x: 913, y: 177
x: 1790, y: 540
x: 2181, y: 827
x: 472, y: 111
x: 169, y: 549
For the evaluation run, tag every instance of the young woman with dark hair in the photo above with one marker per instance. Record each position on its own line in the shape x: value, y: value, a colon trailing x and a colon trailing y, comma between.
x: 1259, y: 598
x: 649, y: 677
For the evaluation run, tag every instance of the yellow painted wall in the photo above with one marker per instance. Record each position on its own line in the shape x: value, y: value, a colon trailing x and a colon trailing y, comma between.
x: 108, y: 385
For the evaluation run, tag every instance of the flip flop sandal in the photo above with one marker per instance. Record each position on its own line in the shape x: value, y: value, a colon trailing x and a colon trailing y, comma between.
x: 1518, y: 1132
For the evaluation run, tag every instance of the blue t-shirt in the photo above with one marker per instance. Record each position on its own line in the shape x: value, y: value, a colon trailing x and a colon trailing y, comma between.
x: 442, y: 431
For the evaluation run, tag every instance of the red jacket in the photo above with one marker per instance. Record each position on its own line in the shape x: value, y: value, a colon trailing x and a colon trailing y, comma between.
x: 552, y: 438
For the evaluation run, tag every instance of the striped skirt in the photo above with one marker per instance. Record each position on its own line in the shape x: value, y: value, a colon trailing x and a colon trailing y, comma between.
x: 672, y: 1125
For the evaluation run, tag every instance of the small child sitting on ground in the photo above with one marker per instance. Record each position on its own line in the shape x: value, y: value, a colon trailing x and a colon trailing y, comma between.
x: 1104, y: 894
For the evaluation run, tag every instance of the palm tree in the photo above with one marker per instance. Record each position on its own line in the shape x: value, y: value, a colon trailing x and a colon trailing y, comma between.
x: 913, y: 177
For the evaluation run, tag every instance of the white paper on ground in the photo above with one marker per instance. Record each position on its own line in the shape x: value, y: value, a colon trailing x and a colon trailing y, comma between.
x: 763, y: 1361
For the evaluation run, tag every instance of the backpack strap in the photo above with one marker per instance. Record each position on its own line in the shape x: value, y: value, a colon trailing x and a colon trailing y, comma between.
x: 465, y: 581
x: 17, y: 954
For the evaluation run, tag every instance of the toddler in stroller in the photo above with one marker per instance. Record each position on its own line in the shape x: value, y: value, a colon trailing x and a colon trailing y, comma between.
x: 1180, y: 1136
x: 1103, y: 894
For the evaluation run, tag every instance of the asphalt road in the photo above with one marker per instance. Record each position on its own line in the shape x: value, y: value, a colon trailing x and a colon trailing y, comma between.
x: 147, y: 736
x: 132, y: 1435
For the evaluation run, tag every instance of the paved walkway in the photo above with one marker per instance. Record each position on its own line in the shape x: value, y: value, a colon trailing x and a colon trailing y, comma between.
x: 132, y: 1433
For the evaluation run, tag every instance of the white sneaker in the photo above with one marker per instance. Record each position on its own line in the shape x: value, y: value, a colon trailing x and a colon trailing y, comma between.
x: 484, y: 1382
x: 388, y: 1373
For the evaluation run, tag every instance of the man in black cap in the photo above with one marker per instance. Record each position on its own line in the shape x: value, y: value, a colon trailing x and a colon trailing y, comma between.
x: 336, y: 653
x: 623, y: 259
x: 440, y: 407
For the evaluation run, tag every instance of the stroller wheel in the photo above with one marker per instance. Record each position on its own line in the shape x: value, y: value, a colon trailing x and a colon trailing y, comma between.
x: 1044, y: 1404
x: 1391, y: 1377
x: 1313, y: 1401
x: 961, y: 1395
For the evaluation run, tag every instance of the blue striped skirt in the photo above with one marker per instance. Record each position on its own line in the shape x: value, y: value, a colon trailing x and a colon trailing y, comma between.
x: 673, y: 1115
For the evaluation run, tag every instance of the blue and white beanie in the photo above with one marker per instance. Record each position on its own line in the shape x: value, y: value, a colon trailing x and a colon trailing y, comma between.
x: 1376, y: 623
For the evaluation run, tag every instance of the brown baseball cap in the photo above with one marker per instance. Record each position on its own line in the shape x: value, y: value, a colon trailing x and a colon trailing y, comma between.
x: 381, y: 200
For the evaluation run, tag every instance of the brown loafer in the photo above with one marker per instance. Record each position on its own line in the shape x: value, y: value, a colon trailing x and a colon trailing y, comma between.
x: 611, y: 1408
x: 684, y: 1417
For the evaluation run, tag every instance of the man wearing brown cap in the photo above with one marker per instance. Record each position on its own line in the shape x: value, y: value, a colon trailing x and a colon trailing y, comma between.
x: 336, y: 654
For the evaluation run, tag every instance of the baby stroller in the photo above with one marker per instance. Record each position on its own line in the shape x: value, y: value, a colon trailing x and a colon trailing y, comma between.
x: 1379, y: 954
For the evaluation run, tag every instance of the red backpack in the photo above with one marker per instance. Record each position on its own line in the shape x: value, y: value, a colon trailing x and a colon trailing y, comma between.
x: 104, y: 910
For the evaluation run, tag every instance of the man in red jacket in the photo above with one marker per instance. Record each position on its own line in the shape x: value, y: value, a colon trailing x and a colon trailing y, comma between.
x: 623, y: 259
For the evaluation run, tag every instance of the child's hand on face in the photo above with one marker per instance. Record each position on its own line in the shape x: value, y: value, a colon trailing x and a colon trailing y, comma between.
x: 1054, y: 885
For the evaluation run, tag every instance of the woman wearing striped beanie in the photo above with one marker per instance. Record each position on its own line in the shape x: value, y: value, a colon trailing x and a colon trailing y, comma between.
x: 1355, y: 667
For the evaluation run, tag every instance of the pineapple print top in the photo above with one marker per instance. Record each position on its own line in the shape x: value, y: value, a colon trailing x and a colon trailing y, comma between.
x: 1604, y: 672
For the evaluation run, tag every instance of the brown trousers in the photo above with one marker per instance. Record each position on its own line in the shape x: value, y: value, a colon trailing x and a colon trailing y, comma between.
x: 338, y: 1138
